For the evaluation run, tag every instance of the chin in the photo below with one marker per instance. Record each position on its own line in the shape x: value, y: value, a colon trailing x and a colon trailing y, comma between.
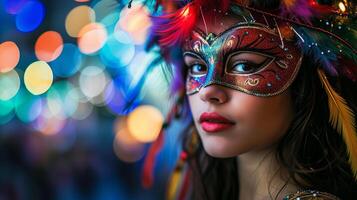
x: 220, y: 151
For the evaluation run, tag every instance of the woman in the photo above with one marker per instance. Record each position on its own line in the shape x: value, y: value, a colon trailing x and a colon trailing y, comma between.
x: 272, y: 98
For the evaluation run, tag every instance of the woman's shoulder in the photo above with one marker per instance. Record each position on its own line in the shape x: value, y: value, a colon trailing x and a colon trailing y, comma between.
x: 311, y: 195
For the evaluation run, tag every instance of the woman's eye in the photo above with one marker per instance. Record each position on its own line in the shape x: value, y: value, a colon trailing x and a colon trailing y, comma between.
x: 197, y: 69
x: 243, y: 67
x: 247, y: 62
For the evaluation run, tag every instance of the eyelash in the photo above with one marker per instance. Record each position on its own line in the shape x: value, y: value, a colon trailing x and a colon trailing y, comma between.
x: 253, y: 66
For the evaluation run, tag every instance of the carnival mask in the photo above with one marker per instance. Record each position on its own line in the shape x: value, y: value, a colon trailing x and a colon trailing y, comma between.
x: 221, y: 59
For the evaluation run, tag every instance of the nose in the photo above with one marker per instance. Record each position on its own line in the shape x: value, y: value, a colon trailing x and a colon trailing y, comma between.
x: 214, y: 94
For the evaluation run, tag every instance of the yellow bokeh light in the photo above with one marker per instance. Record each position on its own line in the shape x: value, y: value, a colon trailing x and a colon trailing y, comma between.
x: 38, y: 77
x: 77, y: 18
x: 136, y: 21
x: 9, y: 56
x: 145, y: 123
x: 91, y: 38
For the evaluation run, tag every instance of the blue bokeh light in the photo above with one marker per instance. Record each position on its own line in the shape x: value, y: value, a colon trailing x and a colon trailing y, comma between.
x: 27, y: 106
x: 14, y: 6
x: 68, y: 63
x: 30, y: 16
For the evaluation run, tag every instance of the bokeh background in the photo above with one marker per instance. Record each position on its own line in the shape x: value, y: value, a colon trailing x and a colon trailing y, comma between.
x: 73, y: 125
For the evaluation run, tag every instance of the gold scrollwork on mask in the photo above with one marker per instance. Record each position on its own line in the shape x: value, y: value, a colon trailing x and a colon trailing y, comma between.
x: 282, y: 64
x: 251, y: 82
x: 231, y: 41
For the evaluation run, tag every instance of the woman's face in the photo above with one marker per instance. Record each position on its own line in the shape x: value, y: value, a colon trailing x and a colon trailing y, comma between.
x: 234, y: 121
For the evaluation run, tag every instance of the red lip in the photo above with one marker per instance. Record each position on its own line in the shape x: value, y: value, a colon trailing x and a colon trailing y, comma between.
x: 213, y: 122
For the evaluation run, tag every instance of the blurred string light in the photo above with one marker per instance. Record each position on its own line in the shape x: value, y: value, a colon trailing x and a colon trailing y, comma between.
x: 59, y: 102
x: 9, y: 84
x: 68, y: 63
x: 83, y: 111
x: 60, y: 132
x: 14, y: 6
x: 103, y: 8
x: 110, y: 21
x: 136, y: 22
x: 49, y: 46
x: 145, y: 123
x: 6, y: 118
x: 84, y: 108
x: 77, y: 18
x: 92, y: 81
x: 48, y: 124
x: 126, y: 147
x: 27, y: 106
x: 115, y: 36
x: 9, y: 56
x: 118, y: 51
x: 38, y: 77
x: 82, y: 1
x: 30, y: 16
x: 91, y: 38
x: 6, y: 107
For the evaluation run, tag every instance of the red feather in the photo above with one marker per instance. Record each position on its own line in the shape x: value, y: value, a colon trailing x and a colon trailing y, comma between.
x: 173, y: 28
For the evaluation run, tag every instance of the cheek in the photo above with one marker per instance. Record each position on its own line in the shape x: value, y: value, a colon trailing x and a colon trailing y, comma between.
x: 264, y: 120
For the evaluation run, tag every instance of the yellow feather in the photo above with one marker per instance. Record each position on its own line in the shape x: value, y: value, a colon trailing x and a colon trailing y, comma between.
x: 174, y: 181
x: 342, y: 119
x: 289, y: 3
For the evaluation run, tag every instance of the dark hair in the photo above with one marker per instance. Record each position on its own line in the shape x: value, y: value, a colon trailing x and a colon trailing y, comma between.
x: 312, y: 151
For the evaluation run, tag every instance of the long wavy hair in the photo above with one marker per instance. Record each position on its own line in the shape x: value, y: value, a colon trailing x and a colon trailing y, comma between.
x: 313, y: 152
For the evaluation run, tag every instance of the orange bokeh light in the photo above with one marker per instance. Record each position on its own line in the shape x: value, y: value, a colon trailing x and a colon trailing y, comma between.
x: 9, y: 56
x: 91, y: 38
x: 126, y: 147
x: 49, y: 46
x: 81, y: 1
x: 77, y: 18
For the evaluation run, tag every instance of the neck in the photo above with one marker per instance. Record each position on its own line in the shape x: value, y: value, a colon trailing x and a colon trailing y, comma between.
x: 261, y: 177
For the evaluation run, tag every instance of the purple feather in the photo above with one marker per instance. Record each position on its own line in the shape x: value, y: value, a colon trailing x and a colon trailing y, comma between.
x: 300, y: 10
